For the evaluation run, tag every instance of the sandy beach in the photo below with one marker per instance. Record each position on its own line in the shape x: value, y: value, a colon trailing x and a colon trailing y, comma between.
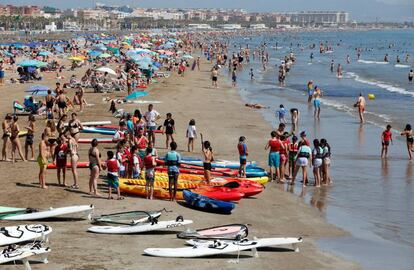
x: 221, y: 116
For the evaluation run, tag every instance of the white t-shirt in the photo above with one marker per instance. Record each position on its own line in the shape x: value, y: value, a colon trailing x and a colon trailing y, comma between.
x: 119, y: 135
x: 151, y: 117
x: 191, y: 131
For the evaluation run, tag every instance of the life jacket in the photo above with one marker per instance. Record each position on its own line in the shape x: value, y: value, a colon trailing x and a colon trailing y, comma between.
x: 113, y: 165
x: 171, y: 159
x: 242, y: 149
x: 148, y: 162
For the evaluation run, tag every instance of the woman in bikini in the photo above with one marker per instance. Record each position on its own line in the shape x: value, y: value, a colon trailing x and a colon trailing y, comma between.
x: 75, y: 127
x: 95, y: 167
x: 28, y: 145
x: 14, y: 138
x: 74, y: 158
x: 208, y: 158
x: 6, y: 125
x: 50, y: 131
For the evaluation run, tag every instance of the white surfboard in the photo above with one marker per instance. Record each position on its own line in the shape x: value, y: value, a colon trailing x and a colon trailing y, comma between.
x: 23, y: 233
x: 95, y: 123
x: 140, y: 227
x: 211, y: 248
x: 32, y: 252
x: 77, y: 210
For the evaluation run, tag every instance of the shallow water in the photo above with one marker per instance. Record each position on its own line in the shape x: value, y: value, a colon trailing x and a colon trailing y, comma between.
x: 371, y: 198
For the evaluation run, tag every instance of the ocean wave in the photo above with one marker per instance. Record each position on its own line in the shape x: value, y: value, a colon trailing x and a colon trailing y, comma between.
x: 352, y: 111
x: 401, y: 66
x: 382, y: 85
x: 372, y: 62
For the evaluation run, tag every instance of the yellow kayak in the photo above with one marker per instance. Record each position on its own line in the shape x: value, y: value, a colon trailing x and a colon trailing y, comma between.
x: 133, y: 189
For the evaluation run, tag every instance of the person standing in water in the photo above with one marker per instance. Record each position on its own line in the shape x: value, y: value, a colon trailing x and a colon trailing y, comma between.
x: 251, y: 74
x: 214, y: 77
x: 317, y: 102
x: 310, y: 91
x: 386, y: 138
x: 339, y: 71
x: 360, y: 104
x: 332, y: 65
x: 410, y: 76
x: 408, y: 133
x: 294, y: 113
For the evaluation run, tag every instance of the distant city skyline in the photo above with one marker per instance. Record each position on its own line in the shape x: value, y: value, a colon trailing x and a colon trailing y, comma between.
x: 362, y: 10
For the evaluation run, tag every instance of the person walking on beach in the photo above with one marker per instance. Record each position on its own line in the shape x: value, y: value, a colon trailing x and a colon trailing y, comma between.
x: 169, y: 129
x: 408, y: 133
x: 191, y: 134
x: 243, y: 153
x: 28, y: 144
x: 173, y: 160
x: 214, y: 77
x: 2, y: 73
x: 208, y: 159
x: 274, y: 145
x: 386, y: 138
x: 410, y: 76
x: 95, y: 167
x: 50, y: 104
x: 294, y: 113
x: 151, y: 116
x: 360, y: 104
x: 317, y: 102
x: 234, y: 78
x: 15, y: 141
x: 74, y: 158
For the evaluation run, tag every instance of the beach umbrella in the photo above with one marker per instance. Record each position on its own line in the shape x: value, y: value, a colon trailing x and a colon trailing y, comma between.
x: 45, y: 53
x: 100, y: 47
x: 107, y: 69
x: 136, y: 95
x: 94, y: 53
x: 76, y: 58
x: 32, y: 63
x: 187, y: 56
x: 37, y: 88
x: 104, y: 55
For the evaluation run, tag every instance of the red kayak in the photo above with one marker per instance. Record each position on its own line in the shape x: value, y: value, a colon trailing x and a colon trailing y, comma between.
x: 84, y: 164
x: 189, y: 171
x: 249, y: 188
x: 219, y: 193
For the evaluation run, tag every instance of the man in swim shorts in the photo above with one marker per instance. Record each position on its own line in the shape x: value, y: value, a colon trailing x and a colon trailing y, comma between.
x: 361, y: 107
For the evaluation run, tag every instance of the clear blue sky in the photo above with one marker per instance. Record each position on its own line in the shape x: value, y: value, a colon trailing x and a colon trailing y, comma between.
x: 364, y: 10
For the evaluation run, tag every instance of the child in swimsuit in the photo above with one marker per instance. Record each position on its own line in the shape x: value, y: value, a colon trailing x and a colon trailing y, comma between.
x: 408, y: 133
x: 386, y: 138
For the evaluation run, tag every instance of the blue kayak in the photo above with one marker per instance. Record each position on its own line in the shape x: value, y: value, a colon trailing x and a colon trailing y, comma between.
x: 207, y: 204
x: 98, y: 131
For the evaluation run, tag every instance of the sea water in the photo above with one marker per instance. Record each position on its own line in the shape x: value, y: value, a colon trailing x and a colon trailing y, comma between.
x: 371, y: 198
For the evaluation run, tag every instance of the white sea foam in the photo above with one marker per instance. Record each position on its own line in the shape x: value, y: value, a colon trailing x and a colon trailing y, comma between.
x: 372, y: 62
x: 382, y: 85
x: 401, y: 66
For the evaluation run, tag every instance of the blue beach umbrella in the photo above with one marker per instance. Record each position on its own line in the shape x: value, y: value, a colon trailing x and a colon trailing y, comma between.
x: 94, y: 53
x: 136, y: 95
x: 37, y: 88
x: 45, y: 53
x: 32, y: 63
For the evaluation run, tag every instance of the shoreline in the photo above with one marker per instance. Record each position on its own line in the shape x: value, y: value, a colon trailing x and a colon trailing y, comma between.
x: 221, y: 116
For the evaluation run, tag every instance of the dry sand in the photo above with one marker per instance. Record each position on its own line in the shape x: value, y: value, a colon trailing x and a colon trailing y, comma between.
x: 222, y: 117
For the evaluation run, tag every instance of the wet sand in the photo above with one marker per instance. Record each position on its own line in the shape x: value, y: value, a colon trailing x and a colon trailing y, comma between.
x: 221, y: 116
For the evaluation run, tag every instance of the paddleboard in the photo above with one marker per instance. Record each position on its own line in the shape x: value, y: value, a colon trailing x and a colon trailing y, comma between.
x: 36, y: 214
x: 100, y: 140
x: 23, y: 233
x: 24, y: 254
x: 141, y: 227
x: 217, y: 247
x: 96, y: 123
